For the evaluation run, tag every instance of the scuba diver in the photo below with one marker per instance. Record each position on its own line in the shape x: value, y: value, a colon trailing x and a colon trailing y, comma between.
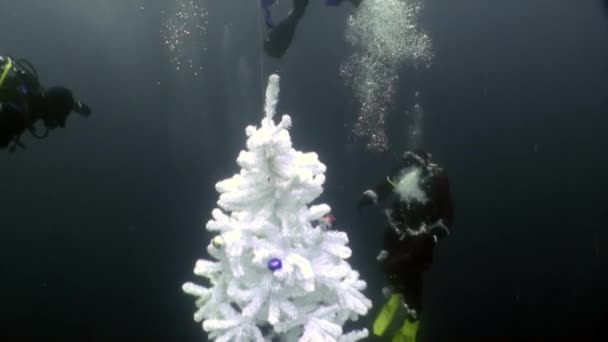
x: 280, y: 36
x: 420, y: 216
x: 23, y: 101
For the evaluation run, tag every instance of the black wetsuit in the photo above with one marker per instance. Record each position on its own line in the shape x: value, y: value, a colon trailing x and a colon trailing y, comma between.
x: 408, y: 255
x: 280, y: 36
x: 19, y: 91
x: 23, y: 101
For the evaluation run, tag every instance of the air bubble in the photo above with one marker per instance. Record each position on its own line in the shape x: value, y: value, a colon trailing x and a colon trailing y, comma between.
x: 185, y: 35
x: 385, y: 36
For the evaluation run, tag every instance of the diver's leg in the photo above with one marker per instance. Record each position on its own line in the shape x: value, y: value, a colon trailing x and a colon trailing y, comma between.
x: 12, y: 125
x: 399, y: 316
x: 279, y: 38
x: 411, y: 287
x: 387, y: 315
x: 299, y: 7
x: 411, y: 290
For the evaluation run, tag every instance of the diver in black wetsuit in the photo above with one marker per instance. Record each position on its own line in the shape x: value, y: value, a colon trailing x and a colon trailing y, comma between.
x: 420, y: 216
x: 280, y: 36
x: 23, y: 101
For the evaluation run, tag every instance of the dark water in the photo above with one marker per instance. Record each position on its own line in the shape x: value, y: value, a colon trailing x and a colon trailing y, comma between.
x: 101, y: 223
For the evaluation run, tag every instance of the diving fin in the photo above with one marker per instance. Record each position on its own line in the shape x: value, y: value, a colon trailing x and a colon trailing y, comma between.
x: 386, y: 315
x: 408, y: 331
x: 299, y: 6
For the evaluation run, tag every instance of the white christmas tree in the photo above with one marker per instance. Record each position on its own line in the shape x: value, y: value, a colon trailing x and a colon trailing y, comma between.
x: 278, y: 275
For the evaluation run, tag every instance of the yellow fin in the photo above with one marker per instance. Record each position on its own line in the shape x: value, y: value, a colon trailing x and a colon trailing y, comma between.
x: 384, y: 318
x: 408, y: 331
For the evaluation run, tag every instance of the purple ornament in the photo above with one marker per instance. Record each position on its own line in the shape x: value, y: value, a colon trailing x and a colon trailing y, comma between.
x: 274, y: 264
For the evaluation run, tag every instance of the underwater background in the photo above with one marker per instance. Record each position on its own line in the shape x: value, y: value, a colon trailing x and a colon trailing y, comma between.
x: 101, y: 223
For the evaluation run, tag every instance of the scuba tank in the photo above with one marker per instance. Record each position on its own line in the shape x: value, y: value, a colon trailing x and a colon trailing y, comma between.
x: 18, y: 83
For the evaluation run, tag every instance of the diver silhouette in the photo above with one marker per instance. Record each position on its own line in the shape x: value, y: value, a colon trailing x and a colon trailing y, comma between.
x: 421, y: 215
x: 280, y: 36
x: 23, y: 101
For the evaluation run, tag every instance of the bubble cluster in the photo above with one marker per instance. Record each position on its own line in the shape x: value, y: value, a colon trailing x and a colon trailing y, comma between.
x: 413, y: 129
x: 184, y: 33
x: 385, y: 36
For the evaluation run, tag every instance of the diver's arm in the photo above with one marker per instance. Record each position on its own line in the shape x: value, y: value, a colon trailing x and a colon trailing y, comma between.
x: 81, y: 108
x: 385, y: 188
x: 375, y: 195
x: 378, y: 193
x: 390, y: 243
x: 437, y: 230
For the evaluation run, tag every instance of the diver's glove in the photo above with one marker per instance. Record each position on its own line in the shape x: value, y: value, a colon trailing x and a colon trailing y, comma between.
x: 382, y: 255
x: 81, y: 108
x: 368, y: 198
x: 387, y: 291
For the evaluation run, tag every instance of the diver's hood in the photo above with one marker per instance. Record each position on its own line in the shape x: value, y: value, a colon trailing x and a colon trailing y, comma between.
x: 59, y: 100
